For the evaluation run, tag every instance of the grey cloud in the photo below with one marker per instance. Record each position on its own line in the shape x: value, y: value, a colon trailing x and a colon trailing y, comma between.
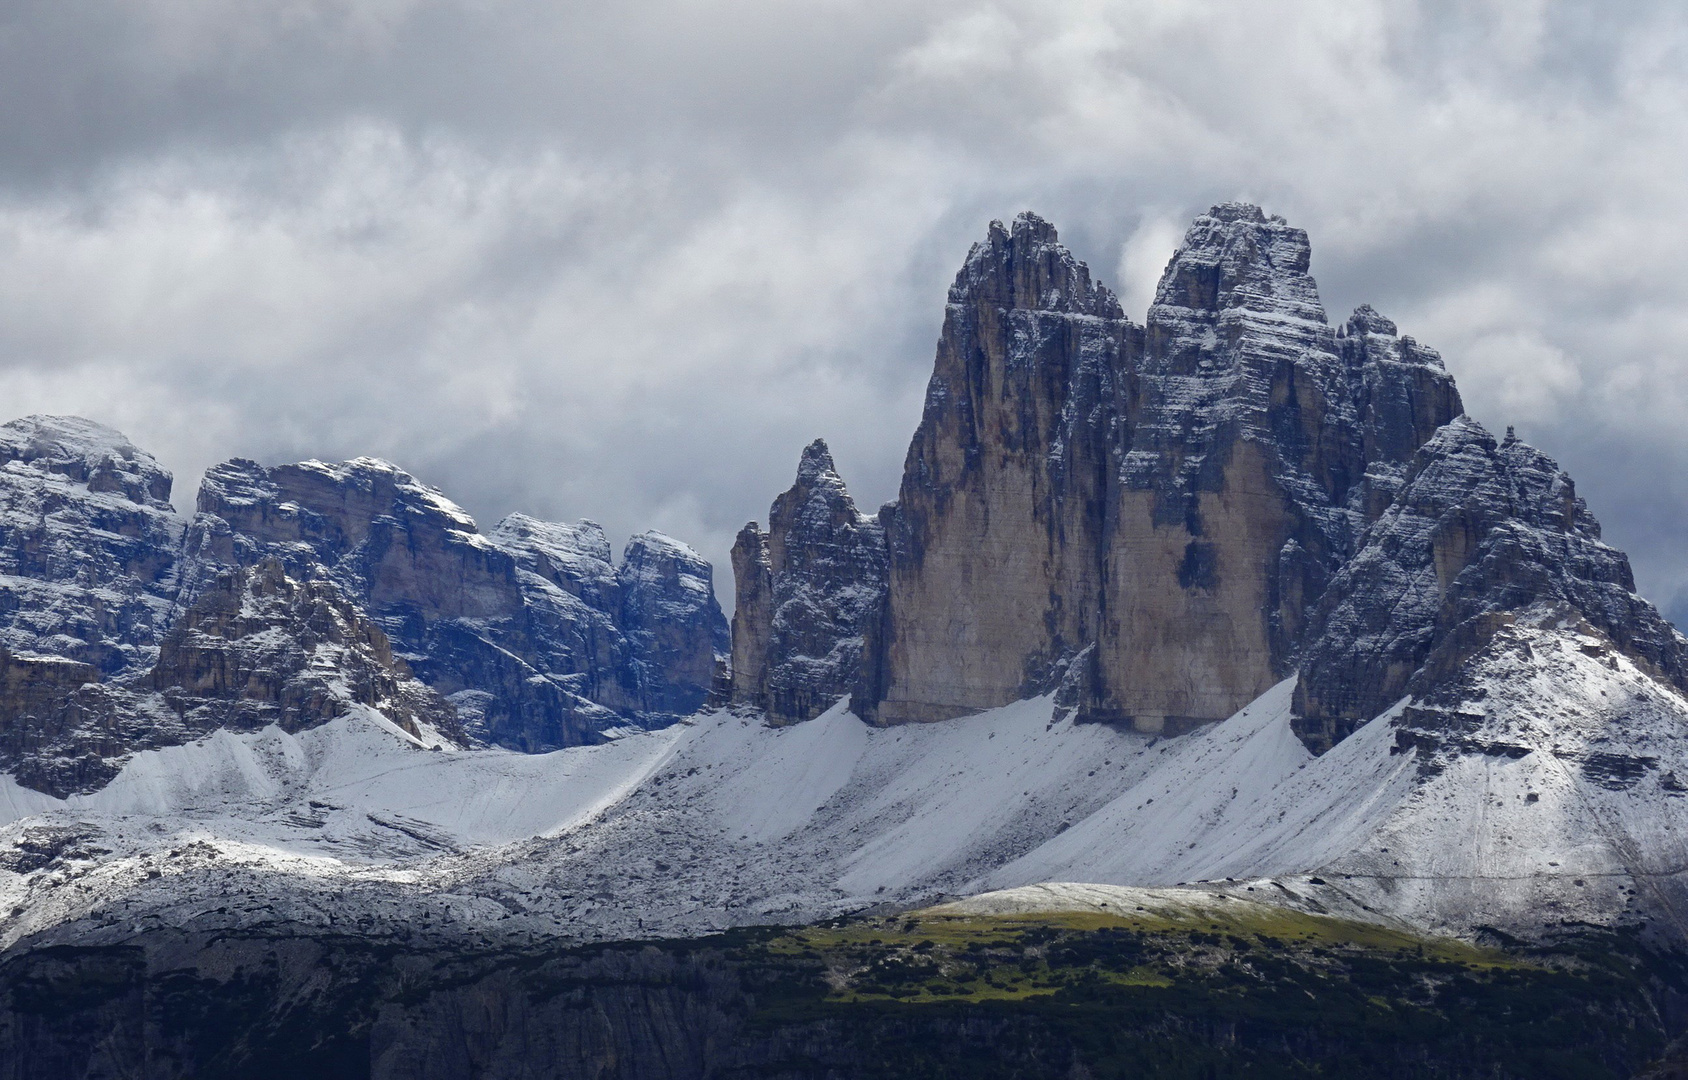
x: 624, y: 261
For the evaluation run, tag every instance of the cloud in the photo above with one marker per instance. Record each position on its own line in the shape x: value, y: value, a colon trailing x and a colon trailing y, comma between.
x: 625, y: 261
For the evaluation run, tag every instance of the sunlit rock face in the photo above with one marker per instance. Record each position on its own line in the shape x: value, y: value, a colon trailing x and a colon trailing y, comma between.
x: 1144, y: 515
x: 996, y: 537
x: 1255, y: 449
x: 808, y: 589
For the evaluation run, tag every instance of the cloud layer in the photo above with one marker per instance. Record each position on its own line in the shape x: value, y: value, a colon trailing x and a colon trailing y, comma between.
x: 625, y: 261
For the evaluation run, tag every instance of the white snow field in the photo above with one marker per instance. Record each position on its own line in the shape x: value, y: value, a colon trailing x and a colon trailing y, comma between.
x: 723, y: 820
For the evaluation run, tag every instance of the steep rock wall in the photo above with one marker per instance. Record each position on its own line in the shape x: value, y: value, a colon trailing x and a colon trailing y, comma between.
x: 1168, y: 503
x: 994, y: 542
x: 88, y: 544
x: 808, y: 589
x: 534, y: 635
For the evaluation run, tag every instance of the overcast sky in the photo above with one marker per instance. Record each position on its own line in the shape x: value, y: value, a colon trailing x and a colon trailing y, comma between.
x: 623, y: 261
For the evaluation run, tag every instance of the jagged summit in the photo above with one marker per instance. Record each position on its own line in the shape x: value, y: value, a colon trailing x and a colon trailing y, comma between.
x: 88, y: 453
x: 806, y: 589
x: 1025, y: 267
x: 528, y: 638
x: 816, y: 462
x: 1234, y: 261
x: 1166, y: 501
x: 1166, y: 521
x: 1366, y: 320
x: 1481, y: 535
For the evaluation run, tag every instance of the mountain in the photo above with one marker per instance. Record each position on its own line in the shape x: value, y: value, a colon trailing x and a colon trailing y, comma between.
x: 1233, y: 604
x: 298, y: 591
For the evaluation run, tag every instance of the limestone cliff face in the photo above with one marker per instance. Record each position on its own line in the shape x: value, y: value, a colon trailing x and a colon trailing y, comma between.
x: 994, y: 542
x: 262, y: 648
x: 1480, y: 535
x: 1167, y: 503
x: 257, y: 648
x: 1257, y: 446
x: 301, y: 590
x: 753, y: 615
x: 808, y: 589
x: 675, y: 628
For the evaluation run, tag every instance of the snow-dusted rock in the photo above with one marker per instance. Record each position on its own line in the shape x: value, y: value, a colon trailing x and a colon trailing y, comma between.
x: 88, y: 544
x: 300, y: 590
x: 1166, y: 502
x: 994, y: 539
x: 807, y: 590
x: 675, y: 628
x: 261, y: 648
x: 526, y: 631
x: 1479, y: 535
x: 256, y: 649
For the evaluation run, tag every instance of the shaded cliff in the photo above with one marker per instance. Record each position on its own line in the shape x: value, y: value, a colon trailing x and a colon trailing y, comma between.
x: 261, y: 648
x: 537, y: 639
x: 1243, y: 471
x: 89, y: 544
x: 301, y: 590
x: 1479, y: 535
x: 808, y: 589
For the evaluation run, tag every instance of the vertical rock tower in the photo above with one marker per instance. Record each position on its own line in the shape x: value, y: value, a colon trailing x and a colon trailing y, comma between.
x: 807, y: 590
x: 1147, y: 516
x: 995, y: 540
x: 1242, y: 470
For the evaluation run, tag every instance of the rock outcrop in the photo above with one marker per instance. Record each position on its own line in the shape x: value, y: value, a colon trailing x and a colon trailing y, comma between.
x: 1165, y: 521
x: 808, y: 589
x: 88, y: 544
x: 535, y: 637
x: 255, y: 649
x: 261, y: 648
x: 1256, y: 446
x: 1479, y: 535
x: 675, y: 628
x: 299, y: 591
x: 994, y: 542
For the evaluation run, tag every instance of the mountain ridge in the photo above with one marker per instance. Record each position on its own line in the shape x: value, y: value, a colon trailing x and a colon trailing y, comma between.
x: 529, y: 637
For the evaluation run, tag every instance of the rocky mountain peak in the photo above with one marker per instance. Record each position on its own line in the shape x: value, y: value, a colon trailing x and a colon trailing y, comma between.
x: 576, y: 558
x: 674, y: 626
x: 815, y: 463
x: 1080, y: 488
x: 88, y: 453
x: 1366, y: 320
x: 1480, y: 534
x: 89, y: 544
x: 1236, y: 256
x: 806, y: 590
x: 1025, y: 267
x: 537, y: 638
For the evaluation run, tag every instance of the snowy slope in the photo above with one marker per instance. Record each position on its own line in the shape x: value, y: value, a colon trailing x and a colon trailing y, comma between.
x: 1554, y: 798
